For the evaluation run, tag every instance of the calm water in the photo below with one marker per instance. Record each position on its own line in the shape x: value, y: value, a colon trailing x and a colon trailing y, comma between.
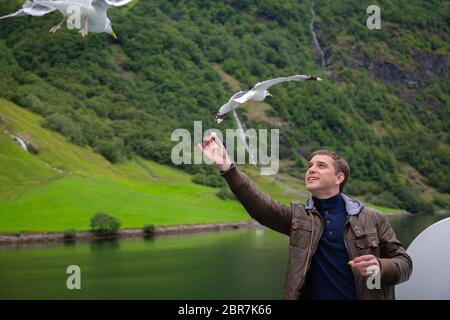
x: 242, y: 264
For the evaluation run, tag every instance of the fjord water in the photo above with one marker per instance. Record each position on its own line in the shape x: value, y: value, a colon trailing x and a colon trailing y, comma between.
x: 241, y: 264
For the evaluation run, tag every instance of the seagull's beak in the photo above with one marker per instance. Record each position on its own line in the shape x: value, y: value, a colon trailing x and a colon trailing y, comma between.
x: 113, y: 34
x: 269, y: 94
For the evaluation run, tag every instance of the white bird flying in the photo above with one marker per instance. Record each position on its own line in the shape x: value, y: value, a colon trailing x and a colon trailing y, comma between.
x: 85, y: 15
x: 258, y: 93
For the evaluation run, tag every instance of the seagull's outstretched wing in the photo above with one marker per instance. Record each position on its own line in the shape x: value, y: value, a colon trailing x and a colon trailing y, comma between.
x: 31, y: 8
x: 14, y: 15
x: 229, y: 106
x: 267, y: 84
x: 244, y: 98
x: 106, y: 4
x: 261, y: 86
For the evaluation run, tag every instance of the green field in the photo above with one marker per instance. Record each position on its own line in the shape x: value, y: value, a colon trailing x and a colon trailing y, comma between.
x: 36, y: 197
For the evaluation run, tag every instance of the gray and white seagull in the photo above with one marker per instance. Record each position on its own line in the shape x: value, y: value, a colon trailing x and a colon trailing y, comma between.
x: 93, y: 13
x: 258, y: 93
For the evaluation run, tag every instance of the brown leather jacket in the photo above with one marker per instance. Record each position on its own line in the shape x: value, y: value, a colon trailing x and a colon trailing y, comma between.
x: 366, y: 232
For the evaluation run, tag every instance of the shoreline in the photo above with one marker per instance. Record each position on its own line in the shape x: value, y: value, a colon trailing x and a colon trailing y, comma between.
x: 29, y: 238
x: 58, y: 237
x: 402, y: 214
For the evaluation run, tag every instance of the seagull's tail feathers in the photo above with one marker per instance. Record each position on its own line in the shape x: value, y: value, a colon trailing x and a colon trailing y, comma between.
x: 314, y: 78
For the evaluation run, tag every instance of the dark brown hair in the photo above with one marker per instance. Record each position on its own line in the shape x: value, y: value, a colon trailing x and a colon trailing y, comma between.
x: 340, y: 165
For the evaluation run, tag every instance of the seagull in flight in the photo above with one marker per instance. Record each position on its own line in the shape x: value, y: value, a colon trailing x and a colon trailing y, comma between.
x: 92, y: 14
x: 258, y: 93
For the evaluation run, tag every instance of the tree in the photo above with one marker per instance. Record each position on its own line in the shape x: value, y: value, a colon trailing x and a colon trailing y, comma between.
x: 104, y: 224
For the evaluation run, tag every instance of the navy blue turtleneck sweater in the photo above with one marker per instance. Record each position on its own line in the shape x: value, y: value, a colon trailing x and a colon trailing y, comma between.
x: 329, y: 276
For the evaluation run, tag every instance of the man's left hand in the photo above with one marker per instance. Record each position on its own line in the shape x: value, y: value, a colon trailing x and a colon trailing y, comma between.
x: 361, y: 265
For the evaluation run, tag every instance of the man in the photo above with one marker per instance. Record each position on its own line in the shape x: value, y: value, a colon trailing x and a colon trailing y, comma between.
x: 338, y: 248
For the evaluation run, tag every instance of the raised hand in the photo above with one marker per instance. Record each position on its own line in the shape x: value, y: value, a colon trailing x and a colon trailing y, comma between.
x: 213, y: 148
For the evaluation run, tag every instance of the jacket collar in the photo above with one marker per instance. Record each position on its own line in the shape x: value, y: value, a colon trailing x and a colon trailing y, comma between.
x: 352, y: 206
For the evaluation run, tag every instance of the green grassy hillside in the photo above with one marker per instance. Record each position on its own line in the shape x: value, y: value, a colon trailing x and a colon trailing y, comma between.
x: 35, y: 196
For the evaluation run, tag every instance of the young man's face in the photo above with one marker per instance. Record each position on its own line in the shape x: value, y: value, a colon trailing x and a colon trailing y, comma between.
x: 321, y: 177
